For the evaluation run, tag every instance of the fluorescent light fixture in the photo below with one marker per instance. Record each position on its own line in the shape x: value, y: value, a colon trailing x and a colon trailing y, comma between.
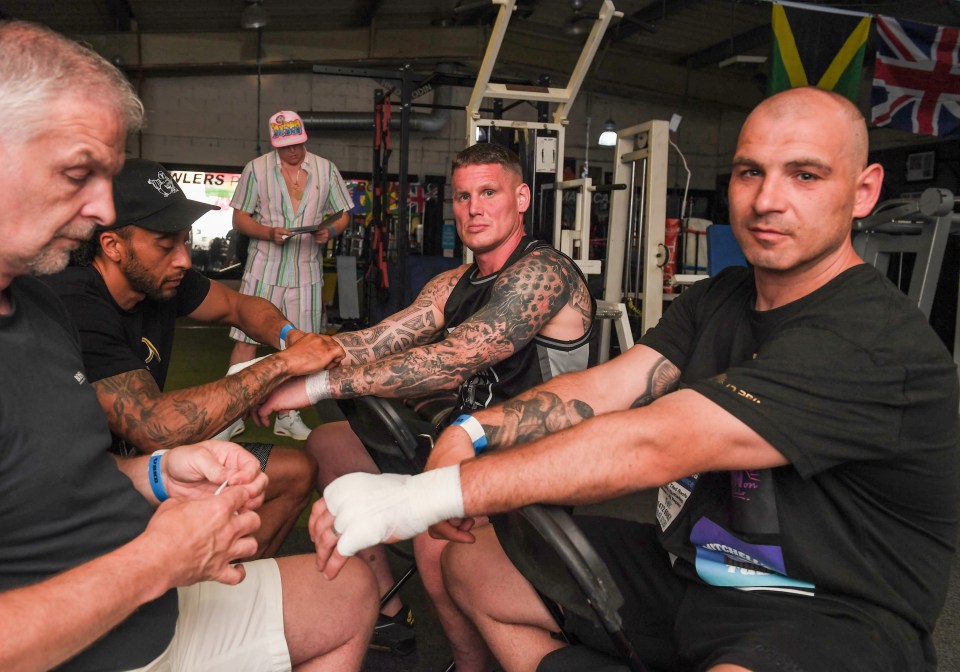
x: 608, y: 138
x: 742, y: 59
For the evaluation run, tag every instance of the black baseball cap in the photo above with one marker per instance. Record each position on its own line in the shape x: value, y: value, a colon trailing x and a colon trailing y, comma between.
x: 144, y: 194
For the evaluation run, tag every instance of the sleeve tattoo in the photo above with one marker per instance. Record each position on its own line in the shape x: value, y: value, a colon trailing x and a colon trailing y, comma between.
x: 539, y: 412
x: 415, y: 325
x: 140, y: 413
x: 398, y: 361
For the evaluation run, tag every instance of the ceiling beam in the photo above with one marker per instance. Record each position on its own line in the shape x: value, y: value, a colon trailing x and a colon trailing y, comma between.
x: 738, y: 44
x: 365, y: 14
x: 647, y: 18
x: 122, y: 14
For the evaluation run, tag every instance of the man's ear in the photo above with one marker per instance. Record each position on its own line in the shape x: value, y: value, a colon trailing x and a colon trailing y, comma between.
x: 109, y: 244
x: 523, y: 197
x: 869, y: 184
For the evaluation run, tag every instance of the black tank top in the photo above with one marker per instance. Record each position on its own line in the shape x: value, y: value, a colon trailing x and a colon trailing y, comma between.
x: 539, y: 360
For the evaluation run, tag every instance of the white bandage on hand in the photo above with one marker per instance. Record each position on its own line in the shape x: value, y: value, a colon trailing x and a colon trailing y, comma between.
x: 240, y: 366
x: 318, y: 386
x: 371, y: 509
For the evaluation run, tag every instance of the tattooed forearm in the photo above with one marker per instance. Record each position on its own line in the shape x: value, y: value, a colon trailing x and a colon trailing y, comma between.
x: 141, y: 414
x: 663, y: 378
x: 415, y: 325
x: 531, y: 417
x: 524, y: 299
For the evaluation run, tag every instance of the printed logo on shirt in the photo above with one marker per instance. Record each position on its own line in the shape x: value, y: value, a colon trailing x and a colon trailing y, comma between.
x: 152, y: 351
x: 722, y: 381
x: 79, y: 377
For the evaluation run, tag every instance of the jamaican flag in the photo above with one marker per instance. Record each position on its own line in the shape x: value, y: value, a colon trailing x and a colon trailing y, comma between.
x: 819, y: 47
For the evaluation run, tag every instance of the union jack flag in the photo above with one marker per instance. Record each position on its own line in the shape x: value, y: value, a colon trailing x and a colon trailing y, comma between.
x: 916, y: 82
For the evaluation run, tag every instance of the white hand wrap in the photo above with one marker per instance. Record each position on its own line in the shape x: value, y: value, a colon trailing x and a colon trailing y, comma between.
x: 240, y: 366
x: 372, y: 509
x: 318, y: 386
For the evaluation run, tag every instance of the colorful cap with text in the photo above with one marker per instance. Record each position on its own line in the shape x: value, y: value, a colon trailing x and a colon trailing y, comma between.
x: 286, y: 128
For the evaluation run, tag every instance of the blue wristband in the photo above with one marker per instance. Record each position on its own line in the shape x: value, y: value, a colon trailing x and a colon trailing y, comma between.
x: 156, y: 477
x: 333, y: 231
x: 474, y: 430
x: 287, y: 328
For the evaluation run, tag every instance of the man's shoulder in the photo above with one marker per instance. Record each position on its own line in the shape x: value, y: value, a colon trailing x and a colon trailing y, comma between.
x: 78, y: 285
x: 261, y: 163
x: 539, y: 256
x: 37, y: 291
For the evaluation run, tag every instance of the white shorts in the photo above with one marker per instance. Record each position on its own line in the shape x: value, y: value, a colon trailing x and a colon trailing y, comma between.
x: 301, y: 305
x: 229, y: 628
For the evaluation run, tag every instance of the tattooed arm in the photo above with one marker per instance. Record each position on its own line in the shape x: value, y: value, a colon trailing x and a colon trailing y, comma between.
x: 149, y: 419
x: 633, y: 379
x: 415, y: 325
x: 526, y: 300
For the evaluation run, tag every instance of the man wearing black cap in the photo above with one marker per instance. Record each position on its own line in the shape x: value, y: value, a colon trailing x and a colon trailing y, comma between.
x: 125, y: 301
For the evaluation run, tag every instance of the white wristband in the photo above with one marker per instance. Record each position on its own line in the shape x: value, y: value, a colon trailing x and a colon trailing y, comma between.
x: 240, y: 366
x: 318, y: 386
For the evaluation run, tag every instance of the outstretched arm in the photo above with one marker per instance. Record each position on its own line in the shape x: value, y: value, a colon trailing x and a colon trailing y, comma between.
x: 602, y: 457
x: 525, y: 298
x: 415, y: 325
x: 149, y: 419
x: 257, y: 318
x: 633, y: 379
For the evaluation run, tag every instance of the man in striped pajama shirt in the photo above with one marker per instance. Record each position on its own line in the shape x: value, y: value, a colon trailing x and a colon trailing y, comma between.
x: 285, y: 189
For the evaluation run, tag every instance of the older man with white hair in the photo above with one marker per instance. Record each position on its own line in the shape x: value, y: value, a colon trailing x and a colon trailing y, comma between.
x: 112, y: 563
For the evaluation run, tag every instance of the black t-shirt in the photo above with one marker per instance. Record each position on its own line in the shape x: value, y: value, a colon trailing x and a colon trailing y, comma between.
x: 536, y: 362
x: 63, y: 501
x: 855, y: 389
x: 115, y: 340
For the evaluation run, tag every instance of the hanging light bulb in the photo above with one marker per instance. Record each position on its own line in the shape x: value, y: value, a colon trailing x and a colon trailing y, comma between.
x: 608, y: 138
x: 254, y: 16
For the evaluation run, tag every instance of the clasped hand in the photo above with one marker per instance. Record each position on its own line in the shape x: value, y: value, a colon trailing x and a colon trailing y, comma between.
x: 361, y: 510
x: 198, y: 470
x: 197, y: 532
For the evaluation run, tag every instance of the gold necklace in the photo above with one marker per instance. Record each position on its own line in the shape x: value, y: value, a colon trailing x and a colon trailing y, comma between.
x: 297, y: 189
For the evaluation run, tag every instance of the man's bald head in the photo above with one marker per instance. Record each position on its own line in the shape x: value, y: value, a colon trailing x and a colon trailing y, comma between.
x: 834, y: 109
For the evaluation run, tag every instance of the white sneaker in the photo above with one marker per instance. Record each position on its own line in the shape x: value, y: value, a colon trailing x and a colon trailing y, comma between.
x: 290, y: 424
x: 230, y: 431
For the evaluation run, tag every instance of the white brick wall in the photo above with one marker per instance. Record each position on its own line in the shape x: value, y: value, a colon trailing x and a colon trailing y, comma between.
x: 213, y: 121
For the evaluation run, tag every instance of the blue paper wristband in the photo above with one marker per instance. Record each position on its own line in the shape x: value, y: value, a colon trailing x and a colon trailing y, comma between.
x: 156, y: 477
x: 474, y: 430
x: 333, y: 231
x: 286, y: 329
